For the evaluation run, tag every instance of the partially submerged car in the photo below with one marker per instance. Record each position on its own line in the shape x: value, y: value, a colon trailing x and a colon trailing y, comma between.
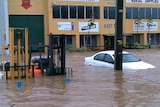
x: 107, y: 59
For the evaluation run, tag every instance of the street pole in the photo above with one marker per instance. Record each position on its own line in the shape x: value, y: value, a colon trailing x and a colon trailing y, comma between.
x: 137, y: 28
x: 149, y: 35
x: 149, y: 24
x: 137, y: 23
x: 118, y: 47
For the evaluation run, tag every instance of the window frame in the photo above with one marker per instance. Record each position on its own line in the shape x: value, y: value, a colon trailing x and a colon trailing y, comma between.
x: 58, y: 11
x: 98, y: 57
x: 64, y: 9
x: 71, y: 10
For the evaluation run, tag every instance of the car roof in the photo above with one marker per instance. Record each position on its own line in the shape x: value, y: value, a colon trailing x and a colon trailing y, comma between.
x: 111, y: 52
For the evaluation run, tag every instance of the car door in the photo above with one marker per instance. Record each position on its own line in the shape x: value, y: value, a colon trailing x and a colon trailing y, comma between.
x: 108, y: 61
x: 99, y: 60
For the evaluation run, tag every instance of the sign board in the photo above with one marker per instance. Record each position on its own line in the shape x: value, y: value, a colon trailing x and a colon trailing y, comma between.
x: 26, y: 4
x: 110, y: 2
x: 144, y: 1
x: 95, y: 28
x: 144, y: 27
x: 65, y: 25
x: 109, y: 25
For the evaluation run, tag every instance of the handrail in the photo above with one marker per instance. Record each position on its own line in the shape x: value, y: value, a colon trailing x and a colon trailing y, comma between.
x: 6, y: 70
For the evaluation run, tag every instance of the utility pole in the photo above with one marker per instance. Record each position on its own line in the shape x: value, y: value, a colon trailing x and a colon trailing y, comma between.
x: 118, y: 47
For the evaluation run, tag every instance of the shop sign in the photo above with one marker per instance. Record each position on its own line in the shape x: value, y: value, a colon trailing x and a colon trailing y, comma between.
x: 143, y: 26
x: 95, y: 28
x: 110, y: 2
x: 109, y: 25
x: 26, y: 4
x: 144, y: 1
x: 65, y: 26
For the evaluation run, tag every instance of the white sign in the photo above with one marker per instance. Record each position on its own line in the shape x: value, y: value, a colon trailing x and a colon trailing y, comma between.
x: 95, y: 28
x: 108, y: 25
x: 144, y: 1
x: 143, y: 26
x: 65, y: 26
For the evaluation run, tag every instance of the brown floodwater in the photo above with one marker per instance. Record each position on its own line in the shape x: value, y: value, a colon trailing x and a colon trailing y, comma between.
x: 89, y: 87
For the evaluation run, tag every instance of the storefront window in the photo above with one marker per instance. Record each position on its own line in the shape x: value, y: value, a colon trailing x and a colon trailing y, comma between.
x: 72, y: 11
x: 69, y: 40
x: 133, y: 39
x: 112, y: 12
x: 136, y: 39
x: 154, y: 13
x: 88, y: 12
x: 105, y: 12
x: 96, y: 11
x: 88, y: 41
x: 56, y: 11
x: 128, y: 13
x: 64, y: 12
x: 135, y: 13
x: 142, y: 13
x: 159, y: 13
x: 80, y: 12
x: 148, y: 13
x: 154, y: 39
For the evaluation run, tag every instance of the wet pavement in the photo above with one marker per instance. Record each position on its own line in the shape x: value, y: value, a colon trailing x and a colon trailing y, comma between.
x: 89, y: 87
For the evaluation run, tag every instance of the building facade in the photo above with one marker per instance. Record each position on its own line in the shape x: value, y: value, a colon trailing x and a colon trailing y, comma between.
x: 88, y: 23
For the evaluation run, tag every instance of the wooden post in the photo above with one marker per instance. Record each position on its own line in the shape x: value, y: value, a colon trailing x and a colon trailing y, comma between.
x: 26, y: 53
x: 11, y: 49
x: 19, y: 53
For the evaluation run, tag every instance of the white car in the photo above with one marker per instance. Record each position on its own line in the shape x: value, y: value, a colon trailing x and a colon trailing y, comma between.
x: 106, y: 59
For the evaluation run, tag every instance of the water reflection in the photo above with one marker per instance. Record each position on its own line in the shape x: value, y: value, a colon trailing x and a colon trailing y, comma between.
x: 119, y: 93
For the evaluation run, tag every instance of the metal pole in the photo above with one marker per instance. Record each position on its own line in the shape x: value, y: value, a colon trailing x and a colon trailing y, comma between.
x: 63, y: 53
x: 149, y: 24
x: 149, y: 35
x: 119, y: 35
x: 137, y: 28
x: 50, y: 55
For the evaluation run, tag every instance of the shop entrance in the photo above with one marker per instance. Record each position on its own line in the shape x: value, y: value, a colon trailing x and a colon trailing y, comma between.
x: 109, y: 42
x: 89, y: 41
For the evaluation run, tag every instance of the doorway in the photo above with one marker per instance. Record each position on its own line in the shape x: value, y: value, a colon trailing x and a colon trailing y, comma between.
x: 108, y: 42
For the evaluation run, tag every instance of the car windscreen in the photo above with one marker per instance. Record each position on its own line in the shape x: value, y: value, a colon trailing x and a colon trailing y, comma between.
x: 130, y: 58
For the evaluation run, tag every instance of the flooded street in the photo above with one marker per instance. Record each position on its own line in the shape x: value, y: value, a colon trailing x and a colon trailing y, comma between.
x: 89, y: 87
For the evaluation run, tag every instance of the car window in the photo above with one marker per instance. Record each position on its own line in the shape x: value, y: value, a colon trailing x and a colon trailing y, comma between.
x: 99, y: 57
x: 130, y: 58
x: 108, y: 58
